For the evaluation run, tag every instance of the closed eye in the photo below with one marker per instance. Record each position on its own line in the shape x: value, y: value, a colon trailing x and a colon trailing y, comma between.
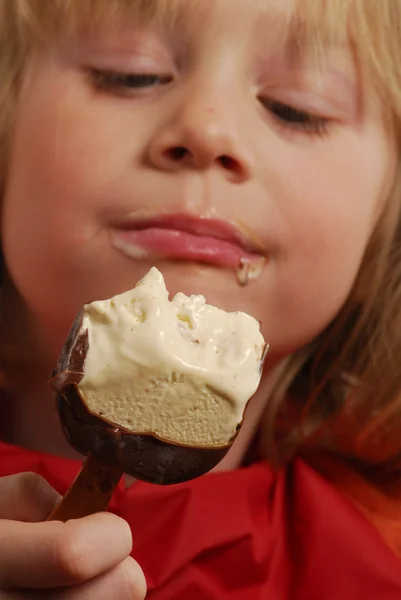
x: 295, y: 118
x: 126, y: 83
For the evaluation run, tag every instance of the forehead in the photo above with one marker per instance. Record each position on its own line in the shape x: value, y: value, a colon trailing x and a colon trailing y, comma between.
x: 304, y: 18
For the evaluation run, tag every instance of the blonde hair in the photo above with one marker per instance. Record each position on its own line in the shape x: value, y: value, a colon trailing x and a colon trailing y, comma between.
x: 347, y: 383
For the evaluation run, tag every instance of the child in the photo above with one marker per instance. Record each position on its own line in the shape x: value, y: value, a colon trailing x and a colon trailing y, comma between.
x: 184, y: 134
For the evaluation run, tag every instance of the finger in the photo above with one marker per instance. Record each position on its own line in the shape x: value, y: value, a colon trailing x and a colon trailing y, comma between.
x: 26, y: 497
x: 55, y: 554
x: 125, y: 582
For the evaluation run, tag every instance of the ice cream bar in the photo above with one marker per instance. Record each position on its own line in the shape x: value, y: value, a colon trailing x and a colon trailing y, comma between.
x: 153, y: 387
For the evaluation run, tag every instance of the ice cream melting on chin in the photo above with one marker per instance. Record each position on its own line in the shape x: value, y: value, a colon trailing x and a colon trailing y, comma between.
x: 250, y: 270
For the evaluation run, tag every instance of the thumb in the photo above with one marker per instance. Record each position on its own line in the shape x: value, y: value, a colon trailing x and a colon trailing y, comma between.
x: 26, y: 497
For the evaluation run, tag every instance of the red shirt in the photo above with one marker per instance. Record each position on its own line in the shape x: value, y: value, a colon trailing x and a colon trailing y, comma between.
x: 249, y: 534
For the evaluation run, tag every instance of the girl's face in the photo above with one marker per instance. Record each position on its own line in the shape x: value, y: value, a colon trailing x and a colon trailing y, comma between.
x: 212, y: 124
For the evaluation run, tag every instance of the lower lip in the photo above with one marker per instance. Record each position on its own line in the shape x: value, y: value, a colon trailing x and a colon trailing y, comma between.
x: 180, y: 245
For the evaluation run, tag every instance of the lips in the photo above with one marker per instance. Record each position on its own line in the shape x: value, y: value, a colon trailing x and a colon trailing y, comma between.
x: 180, y: 237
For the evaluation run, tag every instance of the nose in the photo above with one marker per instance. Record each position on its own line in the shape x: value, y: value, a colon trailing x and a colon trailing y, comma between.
x: 201, y: 136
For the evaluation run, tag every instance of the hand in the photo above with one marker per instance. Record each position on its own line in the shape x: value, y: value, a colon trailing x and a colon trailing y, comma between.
x: 83, y: 559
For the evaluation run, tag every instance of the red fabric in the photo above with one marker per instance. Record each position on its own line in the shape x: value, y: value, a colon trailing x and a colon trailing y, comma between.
x: 250, y: 534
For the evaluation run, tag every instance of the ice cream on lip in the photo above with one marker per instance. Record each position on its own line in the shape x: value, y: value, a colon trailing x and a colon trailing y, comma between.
x: 190, y: 237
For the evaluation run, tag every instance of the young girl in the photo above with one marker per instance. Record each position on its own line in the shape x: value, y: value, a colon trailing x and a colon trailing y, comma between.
x: 185, y: 134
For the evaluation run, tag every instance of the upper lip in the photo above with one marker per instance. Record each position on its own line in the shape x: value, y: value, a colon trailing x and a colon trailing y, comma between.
x: 197, y: 225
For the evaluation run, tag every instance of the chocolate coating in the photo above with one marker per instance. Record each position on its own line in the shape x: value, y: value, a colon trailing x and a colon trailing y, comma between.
x: 144, y: 457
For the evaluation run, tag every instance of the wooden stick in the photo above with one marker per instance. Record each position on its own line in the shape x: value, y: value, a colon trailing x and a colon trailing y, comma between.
x: 90, y: 492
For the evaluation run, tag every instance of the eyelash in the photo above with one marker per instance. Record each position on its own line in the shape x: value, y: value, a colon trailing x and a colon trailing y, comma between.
x: 126, y: 84
x: 293, y: 118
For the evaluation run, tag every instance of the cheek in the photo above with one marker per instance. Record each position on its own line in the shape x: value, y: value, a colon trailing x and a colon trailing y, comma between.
x: 339, y: 197
x: 48, y: 211
x: 72, y: 159
x: 56, y: 156
x: 70, y: 162
x: 329, y: 204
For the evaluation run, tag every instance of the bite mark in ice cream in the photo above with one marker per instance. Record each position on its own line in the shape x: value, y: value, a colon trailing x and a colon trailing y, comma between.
x: 181, y: 370
x: 153, y: 388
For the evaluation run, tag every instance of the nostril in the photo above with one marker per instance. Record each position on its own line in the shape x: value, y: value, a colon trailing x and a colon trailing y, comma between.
x: 228, y: 163
x: 177, y: 153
